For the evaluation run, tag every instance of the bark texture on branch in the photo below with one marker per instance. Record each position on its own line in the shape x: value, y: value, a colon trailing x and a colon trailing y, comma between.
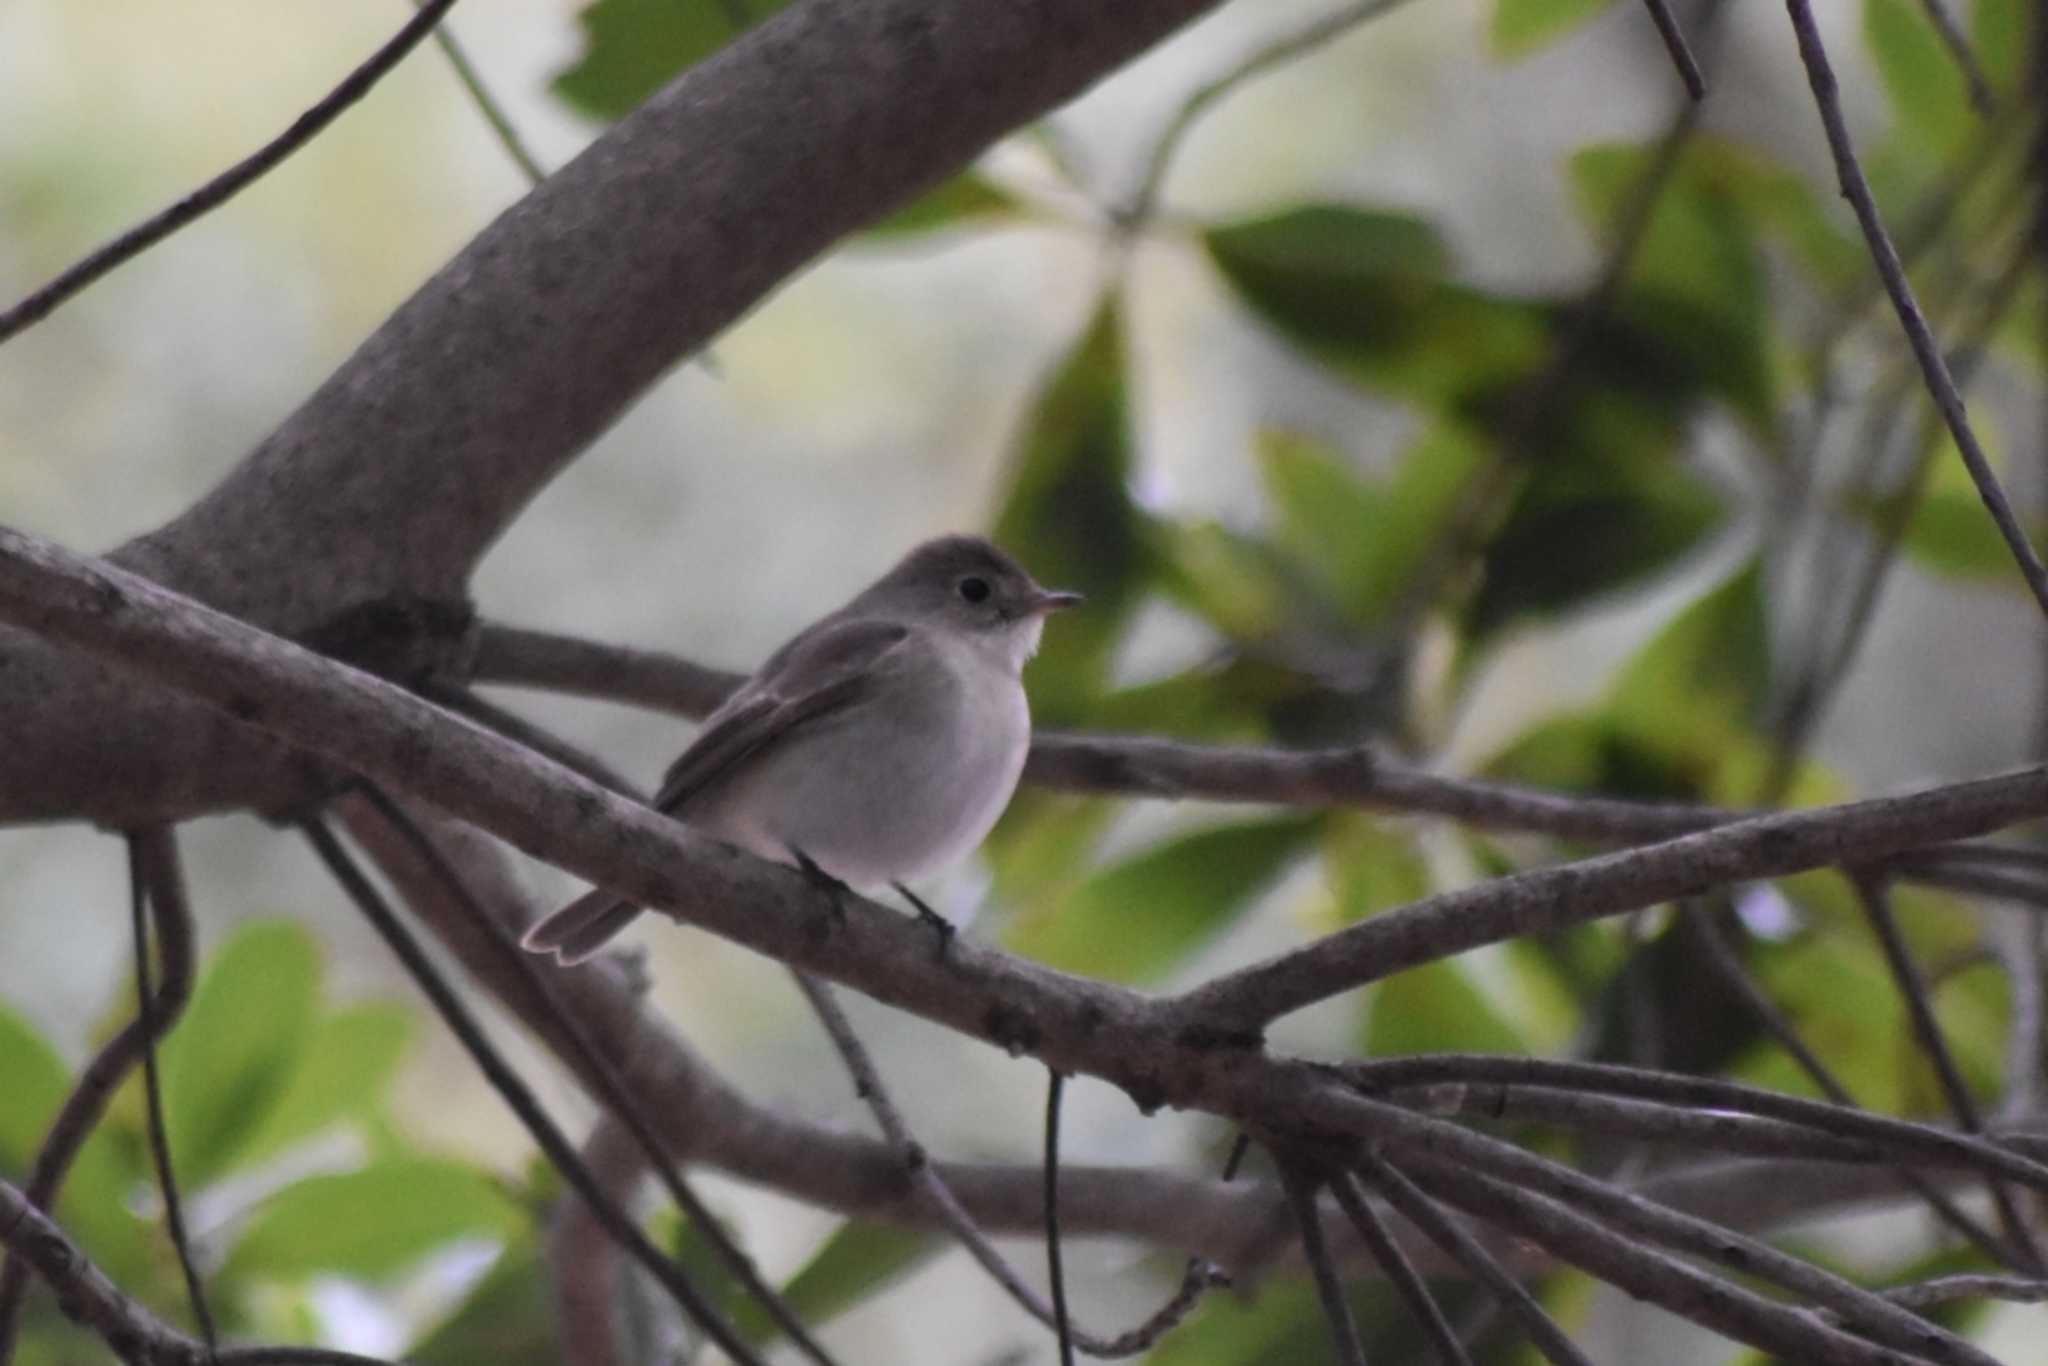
x: 378, y: 496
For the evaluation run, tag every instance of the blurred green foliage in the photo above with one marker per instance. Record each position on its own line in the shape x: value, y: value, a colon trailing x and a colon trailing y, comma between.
x: 1551, y: 469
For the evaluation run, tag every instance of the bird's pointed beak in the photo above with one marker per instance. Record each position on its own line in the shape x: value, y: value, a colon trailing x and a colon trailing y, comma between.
x: 1054, y: 600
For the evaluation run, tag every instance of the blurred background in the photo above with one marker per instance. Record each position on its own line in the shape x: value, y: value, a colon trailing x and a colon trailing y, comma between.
x: 1318, y: 341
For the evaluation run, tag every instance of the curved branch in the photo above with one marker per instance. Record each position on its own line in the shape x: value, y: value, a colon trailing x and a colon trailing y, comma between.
x: 677, y: 220
x: 385, y: 488
x: 82, y: 1109
x: 1157, y: 1051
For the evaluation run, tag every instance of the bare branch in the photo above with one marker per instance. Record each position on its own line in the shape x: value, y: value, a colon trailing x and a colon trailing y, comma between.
x: 1405, y: 1196
x: 1906, y: 975
x: 1553, y: 898
x: 102, y: 1076
x: 593, y: 1062
x: 1310, y: 37
x: 1933, y: 366
x: 154, y: 878
x: 487, y: 105
x: 1055, y: 1087
x: 705, y: 1119
x: 1308, y: 1223
x: 609, y: 673
x: 1943, y: 20
x: 1372, y: 1231
x: 1674, y: 42
x: 508, y: 1085
x: 1130, y: 764
x: 582, y: 1260
x: 1660, y: 1278
x: 1948, y: 1289
x: 1722, y: 959
x: 229, y: 183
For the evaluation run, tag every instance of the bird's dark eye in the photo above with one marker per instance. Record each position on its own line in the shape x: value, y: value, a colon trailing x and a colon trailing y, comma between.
x: 974, y: 588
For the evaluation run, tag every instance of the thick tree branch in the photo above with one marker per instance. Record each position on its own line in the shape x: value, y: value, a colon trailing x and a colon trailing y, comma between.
x: 1157, y: 1051
x: 1190, y: 1051
x: 383, y: 490
x: 413, y: 457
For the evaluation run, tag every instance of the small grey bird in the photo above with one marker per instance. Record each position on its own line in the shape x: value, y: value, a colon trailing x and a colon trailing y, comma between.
x: 881, y: 742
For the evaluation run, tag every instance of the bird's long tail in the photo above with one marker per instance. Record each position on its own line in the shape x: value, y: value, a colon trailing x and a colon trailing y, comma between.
x: 582, y: 927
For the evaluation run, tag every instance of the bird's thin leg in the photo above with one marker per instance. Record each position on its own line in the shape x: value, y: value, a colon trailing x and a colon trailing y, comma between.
x: 834, y: 889
x: 941, y: 926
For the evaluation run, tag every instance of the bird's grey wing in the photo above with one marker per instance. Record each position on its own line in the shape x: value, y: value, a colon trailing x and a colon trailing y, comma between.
x: 823, y: 672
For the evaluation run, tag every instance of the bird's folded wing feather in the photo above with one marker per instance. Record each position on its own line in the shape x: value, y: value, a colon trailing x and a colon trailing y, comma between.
x: 824, y: 672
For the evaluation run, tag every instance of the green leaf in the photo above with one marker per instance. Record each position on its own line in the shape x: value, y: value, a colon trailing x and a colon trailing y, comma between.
x: 965, y: 201
x: 1592, y: 752
x: 1581, y: 527
x: 1521, y: 27
x: 1362, y: 538
x: 1371, y: 867
x: 349, y: 1061
x: 1715, y: 656
x: 1327, y: 511
x: 34, y: 1081
x: 506, y: 1320
x: 858, y: 1261
x: 1436, y: 1008
x: 1998, y: 37
x: 1232, y: 581
x: 631, y: 48
x: 1840, y: 996
x: 1068, y: 516
x: 1364, y: 292
x: 1930, y: 102
x: 238, y: 1044
x: 1693, y: 312
x: 1139, y: 919
x: 373, y: 1222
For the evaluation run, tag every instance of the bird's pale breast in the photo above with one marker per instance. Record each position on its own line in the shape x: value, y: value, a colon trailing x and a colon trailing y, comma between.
x: 902, y: 784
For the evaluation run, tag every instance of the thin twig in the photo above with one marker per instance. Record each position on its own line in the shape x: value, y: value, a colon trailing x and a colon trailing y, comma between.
x: 488, y: 106
x: 1722, y: 960
x: 604, y: 1074
x: 1968, y: 1286
x: 1649, y: 1274
x: 1144, y: 198
x: 1933, y: 366
x: 1893, y: 515
x: 1055, y: 1086
x: 1372, y: 1230
x: 1674, y: 43
x: 1430, y: 1145
x: 228, y: 183
x: 153, y: 878
x: 1912, y: 986
x: 1928, y: 1143
x: 1692, y: 1128
x: 608, y: 673
x: 508, y: 1084
x: 1308, y: 1222
x: 1957, y: 44
x: 867, y: 1083
x: 81, y: 1111
x: 1459, y: 1244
